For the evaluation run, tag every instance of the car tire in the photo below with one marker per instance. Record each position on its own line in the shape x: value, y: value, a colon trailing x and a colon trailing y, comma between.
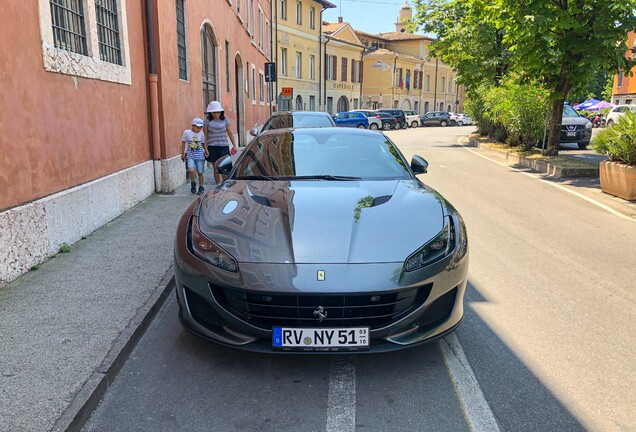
x: 583, y: 145
x: 404, y: 125
x: 443, y: 123
x: 361, y: 126
x: 460, y: 123
x: 373, y: 126
x: 610, y: 122
x: 386, y: 126
x: 414, y: 124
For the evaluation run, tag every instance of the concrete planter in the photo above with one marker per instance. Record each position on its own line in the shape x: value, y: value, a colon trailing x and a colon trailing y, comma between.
x: 618, y: 179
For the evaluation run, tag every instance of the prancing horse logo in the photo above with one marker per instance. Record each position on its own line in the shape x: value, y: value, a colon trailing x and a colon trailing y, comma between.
x: 321, y: 313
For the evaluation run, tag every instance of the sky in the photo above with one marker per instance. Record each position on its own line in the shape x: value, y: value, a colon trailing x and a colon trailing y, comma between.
x: 371, y: 16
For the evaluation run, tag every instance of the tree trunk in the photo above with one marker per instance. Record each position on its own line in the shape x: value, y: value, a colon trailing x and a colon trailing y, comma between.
x: 554, y: 132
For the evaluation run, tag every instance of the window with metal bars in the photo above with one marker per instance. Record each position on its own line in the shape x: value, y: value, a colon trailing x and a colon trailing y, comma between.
x: 69, y: 28
x: 181, y: 41
x: 108, y: 31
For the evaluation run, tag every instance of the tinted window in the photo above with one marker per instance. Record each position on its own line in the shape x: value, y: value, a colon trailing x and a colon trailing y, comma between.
x: 297, y: 120
x: 322, y: 152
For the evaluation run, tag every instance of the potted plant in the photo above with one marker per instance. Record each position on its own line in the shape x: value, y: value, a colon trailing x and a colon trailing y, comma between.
x: 618, y: 142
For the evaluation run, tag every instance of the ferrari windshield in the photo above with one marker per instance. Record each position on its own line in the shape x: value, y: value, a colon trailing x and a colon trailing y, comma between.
x: 322, y: 154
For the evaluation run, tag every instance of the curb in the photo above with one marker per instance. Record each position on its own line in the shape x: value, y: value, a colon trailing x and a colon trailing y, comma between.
x: 93, y: 390
x: 538, y: 165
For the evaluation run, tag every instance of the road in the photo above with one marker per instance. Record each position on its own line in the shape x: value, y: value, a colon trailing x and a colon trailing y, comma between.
x: 547, y: 342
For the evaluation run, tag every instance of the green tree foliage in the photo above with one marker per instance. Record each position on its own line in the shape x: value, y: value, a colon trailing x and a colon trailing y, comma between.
x: 562, y: 44
x: 468, y: 39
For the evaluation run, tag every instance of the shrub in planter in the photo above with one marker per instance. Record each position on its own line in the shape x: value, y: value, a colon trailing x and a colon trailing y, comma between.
x: 618, y: 174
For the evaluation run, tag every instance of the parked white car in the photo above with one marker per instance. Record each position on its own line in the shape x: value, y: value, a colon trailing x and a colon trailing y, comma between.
x: 616, y: 112
x: 412, y: 119
x: 463, y: 119
x: 374, y: 119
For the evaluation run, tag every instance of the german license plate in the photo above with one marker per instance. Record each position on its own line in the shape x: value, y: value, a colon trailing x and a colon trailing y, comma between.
x: 571, y: 134
x: 320, y: 339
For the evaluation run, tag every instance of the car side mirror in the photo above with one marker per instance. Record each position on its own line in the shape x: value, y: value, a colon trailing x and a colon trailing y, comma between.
x: 254, y: 132
x: 419, y: 165
x: 224, y: 165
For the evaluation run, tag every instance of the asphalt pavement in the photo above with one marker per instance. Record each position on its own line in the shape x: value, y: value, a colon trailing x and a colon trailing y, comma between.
x: 68, y: 326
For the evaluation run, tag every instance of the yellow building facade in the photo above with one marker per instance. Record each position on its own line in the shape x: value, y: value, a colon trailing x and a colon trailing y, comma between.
x: 298, y: 25
x: 400, y: 73
x: 343, y: 67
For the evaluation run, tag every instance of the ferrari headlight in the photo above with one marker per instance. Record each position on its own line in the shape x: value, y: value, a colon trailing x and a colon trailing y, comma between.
x: 433, y: 251
x: 208, y: 251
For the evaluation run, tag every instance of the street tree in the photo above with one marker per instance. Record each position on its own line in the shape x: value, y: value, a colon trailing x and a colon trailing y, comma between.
x: 467, y: 38
x: 564, y: 43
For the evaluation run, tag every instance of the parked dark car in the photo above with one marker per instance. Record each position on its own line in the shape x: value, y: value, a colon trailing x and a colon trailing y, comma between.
x: 398, y: 114
x: 284, y: 254
x: 575, y: 128
x: 352, y: 119
x: 437, y: 118
x: 388, y: 121
x: 295, y: 119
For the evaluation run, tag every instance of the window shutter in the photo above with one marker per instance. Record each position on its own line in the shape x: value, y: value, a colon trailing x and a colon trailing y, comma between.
x: 334, y: 65
x: 326, y: 66
x: 343, y: 72
x: 353, y: 71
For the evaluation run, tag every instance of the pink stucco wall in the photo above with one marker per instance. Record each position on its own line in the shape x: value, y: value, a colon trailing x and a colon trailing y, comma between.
x: 182, y: 100
x: 58, y: 131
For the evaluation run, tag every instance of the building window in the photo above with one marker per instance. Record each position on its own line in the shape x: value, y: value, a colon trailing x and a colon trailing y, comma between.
x: 442, y: 85
x: 299, y: 13
x: 425, y: 105
x: 69, y: 27
x: 260, y: 29
x: 108, y: 31
x: 299, y: 61
x: 312, y: 67
x: 181, y: 41
x: 253, y: 84
x: 251, y: 24
x: 283, y: 9
x: 283, y: 61
x: 312, y: 103
x: 343, y: 72
x: 247, y: 79
x: 261, y: 87
x: 86, y: 39
x: 227, y: 66
x: 332, y: 67
x: 428, y: 83
x: 619, y: 81
x: 312, y: 18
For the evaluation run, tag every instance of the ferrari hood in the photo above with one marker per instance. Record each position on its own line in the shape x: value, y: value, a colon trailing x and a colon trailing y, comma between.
x: 321, y: 221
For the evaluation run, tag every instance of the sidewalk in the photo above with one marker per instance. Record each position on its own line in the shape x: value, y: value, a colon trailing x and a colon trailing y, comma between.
x: 66, y: 327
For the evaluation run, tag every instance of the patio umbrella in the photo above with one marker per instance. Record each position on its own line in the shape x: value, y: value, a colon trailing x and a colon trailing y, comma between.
x: 599, y: 106
x: 588, y: 103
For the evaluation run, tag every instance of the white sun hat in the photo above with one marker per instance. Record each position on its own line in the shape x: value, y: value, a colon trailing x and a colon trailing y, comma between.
x: 214, y: 106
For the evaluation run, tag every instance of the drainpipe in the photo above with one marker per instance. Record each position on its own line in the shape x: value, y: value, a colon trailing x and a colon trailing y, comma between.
x: 324, y: 73
x: 360, y: 74
x: 153, y: 90
x: 320, y: 59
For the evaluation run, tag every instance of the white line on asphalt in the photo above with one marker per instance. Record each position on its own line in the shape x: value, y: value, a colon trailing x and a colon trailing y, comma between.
x: 477, y: 411
x: 558, y: 186
x: 341, y: 404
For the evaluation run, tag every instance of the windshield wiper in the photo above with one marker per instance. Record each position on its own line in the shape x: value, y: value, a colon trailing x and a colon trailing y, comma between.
x: 256, y: 177
x: 324, y: 177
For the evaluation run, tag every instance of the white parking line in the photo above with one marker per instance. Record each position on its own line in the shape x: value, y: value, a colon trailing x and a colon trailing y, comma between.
x: 476, y: 410
x: 558, y: 186
x: 341, y: 404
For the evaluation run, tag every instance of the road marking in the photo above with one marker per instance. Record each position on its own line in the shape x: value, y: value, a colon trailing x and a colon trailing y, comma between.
x: 558, y: 186
x: 341, y: 404
x: 476, y: 410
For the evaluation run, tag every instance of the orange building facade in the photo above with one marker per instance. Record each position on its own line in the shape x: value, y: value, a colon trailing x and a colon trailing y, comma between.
x: 95, y: 96
x: 624, y: 90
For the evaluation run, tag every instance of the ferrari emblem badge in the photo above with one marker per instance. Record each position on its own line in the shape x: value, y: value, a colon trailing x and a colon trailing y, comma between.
x: 321, y: 275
